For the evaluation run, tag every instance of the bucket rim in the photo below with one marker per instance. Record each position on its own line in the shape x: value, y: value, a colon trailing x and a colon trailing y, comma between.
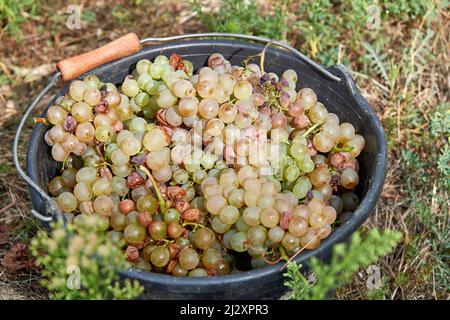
x: 340, y: 234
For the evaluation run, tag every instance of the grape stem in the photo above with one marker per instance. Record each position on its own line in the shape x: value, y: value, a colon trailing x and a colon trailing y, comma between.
x: 44, y: 121
x: 65, y: 164
x: 195, y: 225
x: 263, y: 56
x: 66, y: 106
x: 307, y: 132
x: 104, y: 163
x: 343, y: 149
x: 161, y: 202
x: 300, y: 250
x: 98, y: 151
x: 284, y: 256
x: 270, y: 261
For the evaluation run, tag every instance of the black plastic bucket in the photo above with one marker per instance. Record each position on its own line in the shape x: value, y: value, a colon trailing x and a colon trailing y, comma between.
x: 341, y: 97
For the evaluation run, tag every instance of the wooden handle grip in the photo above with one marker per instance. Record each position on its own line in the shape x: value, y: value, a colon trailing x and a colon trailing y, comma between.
x: 73, y: 67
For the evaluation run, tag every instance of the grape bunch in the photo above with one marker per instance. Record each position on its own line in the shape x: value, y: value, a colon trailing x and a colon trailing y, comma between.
x: 189, y: 171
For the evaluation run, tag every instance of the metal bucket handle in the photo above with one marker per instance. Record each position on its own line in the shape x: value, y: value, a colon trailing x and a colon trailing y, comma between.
x: 53, y: 211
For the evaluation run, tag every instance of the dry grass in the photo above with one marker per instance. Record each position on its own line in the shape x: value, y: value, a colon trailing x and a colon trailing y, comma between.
x: 409, y: 272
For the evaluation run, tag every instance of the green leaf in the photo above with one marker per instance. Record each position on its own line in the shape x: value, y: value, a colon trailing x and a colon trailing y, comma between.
x: 346, y: 260
x: 83, y: 252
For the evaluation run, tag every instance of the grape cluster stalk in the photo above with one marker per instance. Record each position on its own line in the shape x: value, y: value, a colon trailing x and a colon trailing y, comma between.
x: 185, y: 170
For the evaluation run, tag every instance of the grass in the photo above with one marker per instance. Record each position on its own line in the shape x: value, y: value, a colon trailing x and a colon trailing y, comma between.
x: 401, y: 68
x: 13, y: 13
x: 236, y: 16
x: 345, y: 261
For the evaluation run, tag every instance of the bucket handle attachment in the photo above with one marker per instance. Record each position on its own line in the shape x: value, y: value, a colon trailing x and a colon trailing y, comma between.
x: 319, y: 68
x: 73, y: 67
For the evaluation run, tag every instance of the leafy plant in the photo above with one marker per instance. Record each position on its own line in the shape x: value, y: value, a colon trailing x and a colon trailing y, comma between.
x: 444, y: 163
x: 378, y: 61
x: 417, y: 56
x: 405, y: 9
x: 121, y: 14
x: 414, y: 58
x: 80, y: 262
x: 440, y: 121
x: 426, y: 184
x: 14, y: 12
x: 236, y: 16
x: 323, y: 26
x: 319, y: 37
x: 327, y: 25
x: 379, y: 293
x: 346, y: 260
x: 440, y: 128
x: 441, y: 249
x: 88, y: 15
